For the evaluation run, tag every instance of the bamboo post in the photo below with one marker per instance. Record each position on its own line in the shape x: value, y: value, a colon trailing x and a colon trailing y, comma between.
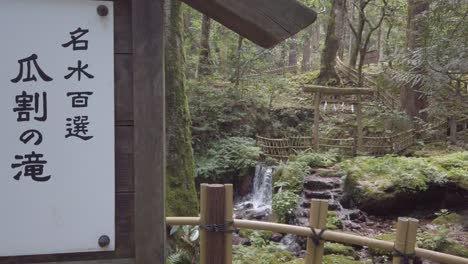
x: 212, y: 246
x: 203, y: 250
x: 405, y: 242
x: 318, y: 99
x: 228, y: 222
x: 317, y: 220
x: 359, y: 123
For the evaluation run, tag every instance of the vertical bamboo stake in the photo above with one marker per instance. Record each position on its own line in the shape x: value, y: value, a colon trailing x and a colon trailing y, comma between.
x: 317, y: 220
x: 411, y: 236
x: 318, y: 99
x: 203, y: 190
x: 228, y: 216
x: 400, y: 240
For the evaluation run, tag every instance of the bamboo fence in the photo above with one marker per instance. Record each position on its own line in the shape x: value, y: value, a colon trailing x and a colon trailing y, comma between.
x: 404, y: 244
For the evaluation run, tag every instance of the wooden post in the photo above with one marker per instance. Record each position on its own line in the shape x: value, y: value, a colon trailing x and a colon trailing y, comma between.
x: 359, y: 123
x: 228, y: 215
x: 149, y: 131
x: 318, y: 99
x: 317, y: 220
x: 212, y: 246
x: 453, y: 130
x: 405, y: 237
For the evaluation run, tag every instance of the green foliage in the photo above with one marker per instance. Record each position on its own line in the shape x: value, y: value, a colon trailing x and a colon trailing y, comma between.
x: 179, y: 257
x: 270, y: 254
x: 257, y: 237
x: 447, y: 218
x: 333, y: 221
x: 316, y: 160
x: 340, y: 259
x: 375, y: 180
x: 290, y: 175
x: 339, y: 249
x: 227, y: 157
x: 284, y: 203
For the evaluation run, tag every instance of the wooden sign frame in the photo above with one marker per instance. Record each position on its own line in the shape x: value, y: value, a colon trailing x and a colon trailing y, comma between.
x: 140, y: 140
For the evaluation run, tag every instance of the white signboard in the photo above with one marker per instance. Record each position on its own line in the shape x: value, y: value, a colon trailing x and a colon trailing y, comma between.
x: 57, y: 127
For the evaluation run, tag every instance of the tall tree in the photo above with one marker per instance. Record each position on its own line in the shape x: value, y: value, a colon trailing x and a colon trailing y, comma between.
x: 181, y: 196
x: 204, y: 61
x: 412, y: 99
x: 307, y: 49
x: 292, y: 59
x: 328, y: 75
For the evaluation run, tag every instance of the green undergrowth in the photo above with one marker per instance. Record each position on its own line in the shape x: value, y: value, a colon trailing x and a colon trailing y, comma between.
x: 274, y: 253
x: 288, y: 178
x: 231, y: 156
x: 339, y: 249
x: 436, y: 240
x: 381, y: 180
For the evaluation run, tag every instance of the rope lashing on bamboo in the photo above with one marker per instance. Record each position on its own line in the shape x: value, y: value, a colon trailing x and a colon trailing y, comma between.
x: 404, y: 258
x: 316, y: 238
x: 219, y: 228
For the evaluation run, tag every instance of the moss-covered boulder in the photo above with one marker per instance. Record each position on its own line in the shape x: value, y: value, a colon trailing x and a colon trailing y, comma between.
x: 339, y: 249
x: 340, y: 259
x: 389, y: 184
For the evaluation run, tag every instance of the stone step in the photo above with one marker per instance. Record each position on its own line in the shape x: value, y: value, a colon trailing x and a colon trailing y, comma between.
x: 317, y: 194
x: 316, y: 183
x: 332, y: 204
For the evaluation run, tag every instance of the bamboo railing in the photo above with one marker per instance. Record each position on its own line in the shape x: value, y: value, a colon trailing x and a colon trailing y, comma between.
x: 216, y: 243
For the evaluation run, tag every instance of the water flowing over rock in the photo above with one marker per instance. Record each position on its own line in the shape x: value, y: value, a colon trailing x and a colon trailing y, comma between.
x: 257, y: 205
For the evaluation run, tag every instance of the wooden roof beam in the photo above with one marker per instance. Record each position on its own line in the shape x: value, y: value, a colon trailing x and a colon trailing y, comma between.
x: 264, y: 22
x: 336, y: 90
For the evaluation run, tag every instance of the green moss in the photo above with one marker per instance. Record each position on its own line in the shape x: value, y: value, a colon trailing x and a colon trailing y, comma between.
x: 316, y: 160
x: 257, y: 237
x: 271, y: 254
x: 333, y: 221
x: 339, y: 249
x: 449, y: 219
x: 380, y: 182
x: 340, y: 259
x: 385, y: 237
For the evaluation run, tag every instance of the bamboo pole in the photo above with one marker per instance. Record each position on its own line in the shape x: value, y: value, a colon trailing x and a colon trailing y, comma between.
x: 347, y: 239
x: 411, y: 236
x: 400, y: 240
x: 317, y: 220
x: 329, y: 235
x: 228, y: 216
x: 203, y: 200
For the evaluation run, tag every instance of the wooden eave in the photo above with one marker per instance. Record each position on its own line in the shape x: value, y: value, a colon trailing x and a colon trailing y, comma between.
x: 264, y: 22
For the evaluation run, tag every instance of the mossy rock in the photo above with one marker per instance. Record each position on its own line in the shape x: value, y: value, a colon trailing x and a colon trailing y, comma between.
x: 271, y: 254
x: 450, y: 219
x: 339, y: 249
x: 385, y: 237
x: 340, y: 259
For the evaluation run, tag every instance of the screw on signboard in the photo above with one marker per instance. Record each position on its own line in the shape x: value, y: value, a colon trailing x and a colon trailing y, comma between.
x: 104, y: 241
x: 102, y: 10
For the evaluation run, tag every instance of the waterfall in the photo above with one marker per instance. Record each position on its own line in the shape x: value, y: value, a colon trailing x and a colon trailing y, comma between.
x: 258, y: 204
x: 262, y: 187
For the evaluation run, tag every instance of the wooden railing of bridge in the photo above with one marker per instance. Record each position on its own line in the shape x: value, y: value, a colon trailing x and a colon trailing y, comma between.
x: 217, y: 225
x: 282, y: 148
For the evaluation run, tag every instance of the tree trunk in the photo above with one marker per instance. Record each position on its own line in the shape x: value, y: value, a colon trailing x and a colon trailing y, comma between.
x: 181, y: 196
x: 412, y: 99
x: 316, y: 45
x: 328, y: 75
x: 204, y: 62
x: 358, y: 33
x: 306, y: 51
x: 238, y: 60
x: 292, y: 51
x: 340, y: 30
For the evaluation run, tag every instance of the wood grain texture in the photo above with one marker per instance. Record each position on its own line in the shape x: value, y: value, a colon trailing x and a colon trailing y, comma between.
x: 214, y: 215
x: 123, y: 88
x: 123, y: 26
x: 109, y: 261
x: 149, y: 137
x: 264, y: 22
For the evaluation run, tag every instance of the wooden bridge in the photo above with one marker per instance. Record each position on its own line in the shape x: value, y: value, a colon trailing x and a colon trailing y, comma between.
x: 282, y: 148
